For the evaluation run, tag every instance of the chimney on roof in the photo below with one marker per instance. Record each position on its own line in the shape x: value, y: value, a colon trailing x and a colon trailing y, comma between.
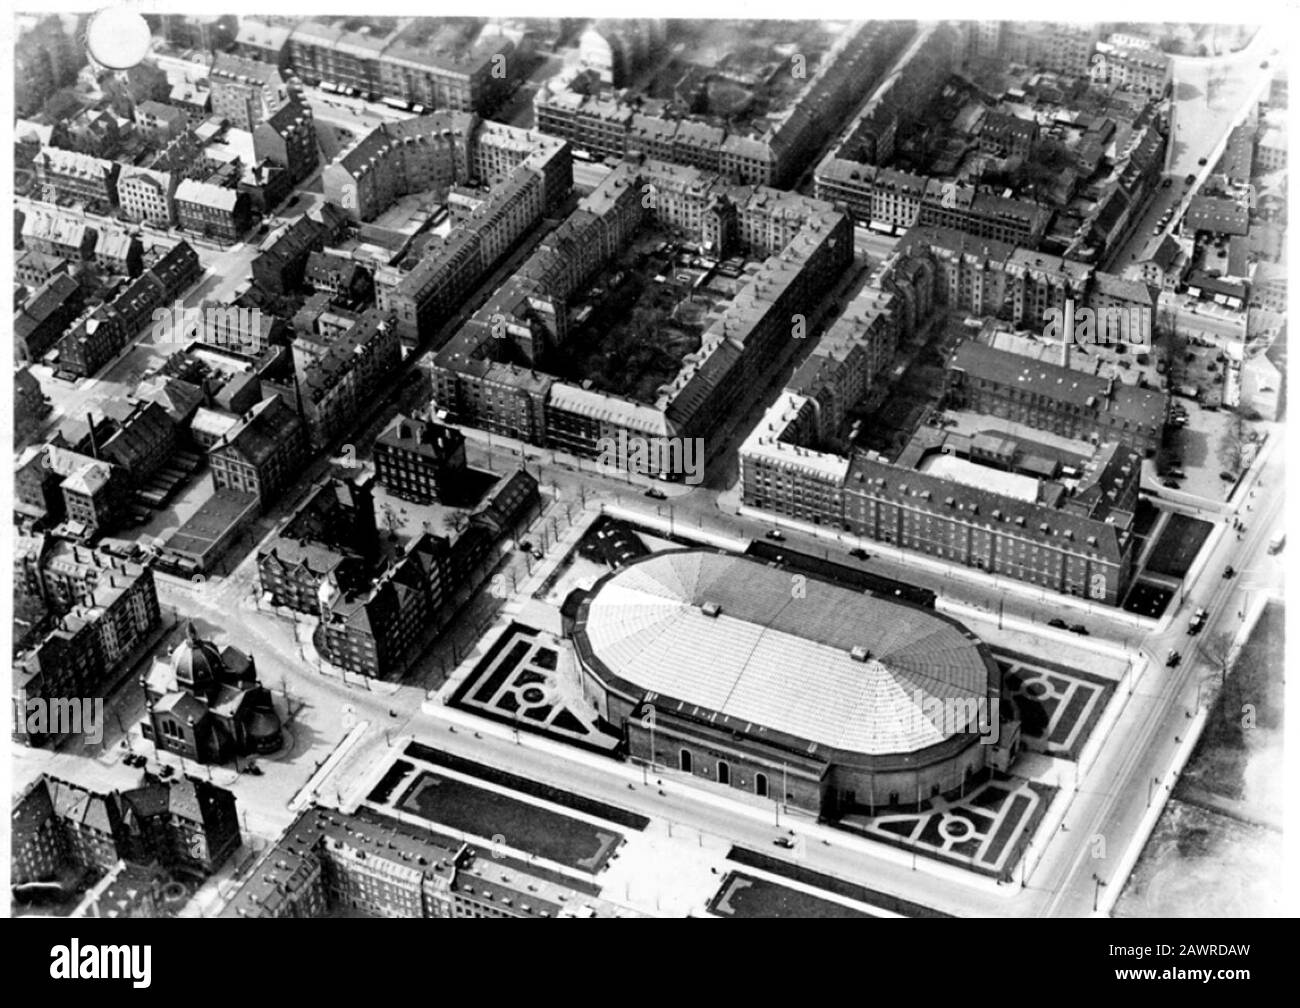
x: 94, y: 447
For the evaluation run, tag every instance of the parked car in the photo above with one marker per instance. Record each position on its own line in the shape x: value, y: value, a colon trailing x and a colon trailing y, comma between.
x: 1198, y: 621
x: 1190, y: 180
x: 859, y: 553
x: 1172, y: 484
x: 776, y: 534
x: 1229, y: 572
x: 1178, y: 473
x: 1202, y: 161
x: 1166, y: 183
x: 1227, y: 477
x: 1080, y: 629
x: 1060, y: 624
x: 656, y: 493
x: 1173, y: 660
x: 785, y: 842
x: 525, y: 547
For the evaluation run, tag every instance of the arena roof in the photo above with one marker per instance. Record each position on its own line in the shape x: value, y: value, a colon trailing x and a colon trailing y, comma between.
x: 774, y: 658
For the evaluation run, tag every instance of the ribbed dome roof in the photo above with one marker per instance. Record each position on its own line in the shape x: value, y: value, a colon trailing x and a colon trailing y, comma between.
x: 195, y: 662
x: 814, y: 660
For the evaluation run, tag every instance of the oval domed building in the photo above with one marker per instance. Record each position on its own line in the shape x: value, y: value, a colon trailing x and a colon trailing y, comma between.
x: 729, y: 668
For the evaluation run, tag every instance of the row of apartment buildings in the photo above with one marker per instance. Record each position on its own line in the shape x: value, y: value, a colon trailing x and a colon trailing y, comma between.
x: 1086, y: 549
x: 339, y: 375
x: 986, y: 277
x: 189, y: 827
x: 491, y: 374
x: 64, y: 236
x: 437, y: 65
x: 528, y: 176
x: 938, y: 269
x: 608, y: 126
x: 99, y: 335
x: 854, y: 173
x: 185, y: 186
x: 103, y: 607
x: 330, y: 862
x: 1076, y: 50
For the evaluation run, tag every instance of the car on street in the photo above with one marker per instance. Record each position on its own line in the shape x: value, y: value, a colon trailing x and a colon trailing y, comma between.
x: 1178, y: 474
x: 1229, y: 572
x: 776, y: 534
x: 859, y: 553
x: 1198, y: 621
x: 1080, y: 629
x: 1172, y: 484
x: 1060, y: 624
x: 656, y: 493
x: 525, y: 547
x: 1227, y: 477
x: 1190, y: 180
x: 785, y: 842
x: 1202, y: 161
x: 1173, y: 660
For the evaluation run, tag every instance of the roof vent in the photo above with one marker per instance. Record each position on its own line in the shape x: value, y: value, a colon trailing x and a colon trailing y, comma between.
x: 711, y: 609
x: 860, y: 654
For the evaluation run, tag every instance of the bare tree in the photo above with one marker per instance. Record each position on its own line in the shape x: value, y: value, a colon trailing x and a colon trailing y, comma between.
x: 1218, y: 652
x: 1232, y: 445
x: 391, y: 520
x: 457, y: 521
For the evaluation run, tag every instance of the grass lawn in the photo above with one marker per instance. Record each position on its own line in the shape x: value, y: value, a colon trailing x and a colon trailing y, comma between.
x: 1222, y: 755
x: 746, y: 896
x: 462, y: 806
x: 1178, y: 545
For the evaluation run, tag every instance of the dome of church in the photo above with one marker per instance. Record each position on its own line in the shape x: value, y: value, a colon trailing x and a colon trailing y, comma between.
x: 195, y: 662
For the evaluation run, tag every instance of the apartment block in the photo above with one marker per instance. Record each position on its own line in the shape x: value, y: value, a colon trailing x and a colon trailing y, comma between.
x: 245, y: 92
x: 419, y: 460
x: 262, y: 453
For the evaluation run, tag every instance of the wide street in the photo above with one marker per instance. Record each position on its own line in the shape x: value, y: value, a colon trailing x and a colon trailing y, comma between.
x: 1210, y: 96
